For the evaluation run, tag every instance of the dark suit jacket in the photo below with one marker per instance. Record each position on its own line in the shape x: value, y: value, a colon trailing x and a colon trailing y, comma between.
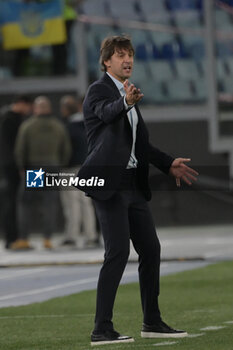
x: 109, y: 137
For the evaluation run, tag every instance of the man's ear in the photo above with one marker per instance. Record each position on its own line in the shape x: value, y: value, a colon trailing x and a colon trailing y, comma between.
x: 107, y: 64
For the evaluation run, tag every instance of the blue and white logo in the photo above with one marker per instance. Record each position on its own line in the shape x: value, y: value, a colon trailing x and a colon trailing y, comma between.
x: 35, y: 178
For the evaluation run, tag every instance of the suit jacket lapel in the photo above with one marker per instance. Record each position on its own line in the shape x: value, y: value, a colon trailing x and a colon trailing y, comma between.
x: 106, y: 79
x: 141, y: 125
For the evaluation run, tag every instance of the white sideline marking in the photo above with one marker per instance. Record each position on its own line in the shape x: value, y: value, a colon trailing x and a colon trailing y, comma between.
x: 120, y: 347
x: 204, y: 310
x: 43, y: 316
x: 166, y: 343
x: 22, y: 273
x: 54, y: 287
x: 229, y: 322
x: 28, y: 316
x: 48, y: 289
x: 195, y: 335
x: 212, y: 328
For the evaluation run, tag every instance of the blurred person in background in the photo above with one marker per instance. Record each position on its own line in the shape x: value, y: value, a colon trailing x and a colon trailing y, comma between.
x: 78, y: 209
x: 42, y: 142
x: 11, y: 119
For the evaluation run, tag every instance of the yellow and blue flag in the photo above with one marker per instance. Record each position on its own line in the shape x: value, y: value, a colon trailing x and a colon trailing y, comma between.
x: 29, y: 24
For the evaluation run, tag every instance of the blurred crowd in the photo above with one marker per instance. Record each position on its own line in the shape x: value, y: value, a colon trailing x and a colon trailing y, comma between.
x: 32, y: 137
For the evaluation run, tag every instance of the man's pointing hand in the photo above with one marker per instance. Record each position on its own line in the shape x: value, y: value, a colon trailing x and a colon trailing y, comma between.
x: 133, y: 94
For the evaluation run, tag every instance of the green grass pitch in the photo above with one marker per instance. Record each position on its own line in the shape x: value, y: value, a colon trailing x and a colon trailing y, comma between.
x: 190, y: 300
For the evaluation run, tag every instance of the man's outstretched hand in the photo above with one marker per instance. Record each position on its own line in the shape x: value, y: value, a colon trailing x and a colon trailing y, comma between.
x: 183, y: 172
x: 133, y: 94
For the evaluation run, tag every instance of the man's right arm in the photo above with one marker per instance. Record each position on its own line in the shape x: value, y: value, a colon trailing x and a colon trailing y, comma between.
x: 102, y: 102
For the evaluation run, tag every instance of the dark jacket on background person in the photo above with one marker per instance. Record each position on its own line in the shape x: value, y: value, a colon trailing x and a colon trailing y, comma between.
x: 76, y: 131
x: 9, y: 126
x: 42, y: 141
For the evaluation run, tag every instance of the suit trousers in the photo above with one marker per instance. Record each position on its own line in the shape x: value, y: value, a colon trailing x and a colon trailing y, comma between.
x: 123, y: 217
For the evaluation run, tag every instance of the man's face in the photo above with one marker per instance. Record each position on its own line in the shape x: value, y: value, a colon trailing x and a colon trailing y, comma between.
x: 120, y: 65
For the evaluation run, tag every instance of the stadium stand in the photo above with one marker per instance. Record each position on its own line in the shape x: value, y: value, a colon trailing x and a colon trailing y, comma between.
x: 155, y: 11
x: 152, y: 7
x: 221, y: 69
x: 223, y: 20
x: 164, y: 54
x: 179, y: 89
x: 160, y: 38
x: 180, y: 5
x: 130, y: 9
x: 187, y: 69
x: 161, y: 70
x: 228, y: 86
x: 224, y: 49
x: 200, y: 89
x: 141, y: 72
x: 229, y: 64
x: 154, y: 91
x: 171, y: 44
x: 94, y: 8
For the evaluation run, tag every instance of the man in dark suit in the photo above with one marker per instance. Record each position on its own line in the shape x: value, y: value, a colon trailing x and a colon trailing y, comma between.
x: 120, y: 153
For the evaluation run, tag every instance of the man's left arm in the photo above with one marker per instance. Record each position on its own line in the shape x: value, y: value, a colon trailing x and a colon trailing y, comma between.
x: 159, y: 159
x: 176, y: 167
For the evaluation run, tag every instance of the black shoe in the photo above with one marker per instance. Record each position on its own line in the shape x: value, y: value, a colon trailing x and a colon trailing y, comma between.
x: 109, y: 337
x: 161, y: 330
